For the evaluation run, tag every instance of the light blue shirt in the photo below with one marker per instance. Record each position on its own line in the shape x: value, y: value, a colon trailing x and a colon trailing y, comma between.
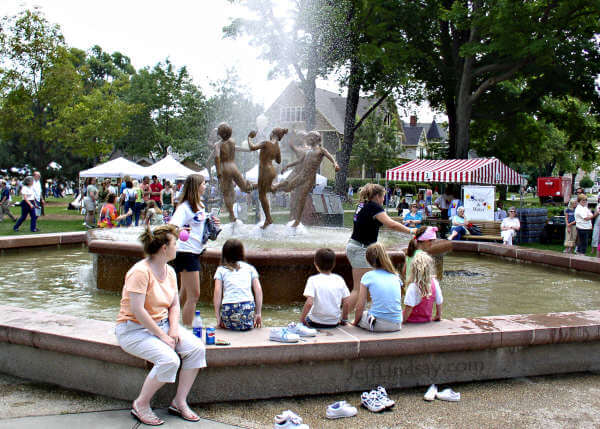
x: 384, y: 288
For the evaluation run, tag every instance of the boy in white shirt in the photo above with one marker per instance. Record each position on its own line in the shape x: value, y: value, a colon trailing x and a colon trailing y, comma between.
x: 326, y: 294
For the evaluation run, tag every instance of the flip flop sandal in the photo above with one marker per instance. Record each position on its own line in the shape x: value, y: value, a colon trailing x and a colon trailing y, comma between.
x: 146, y: 417
x: 185, y: 414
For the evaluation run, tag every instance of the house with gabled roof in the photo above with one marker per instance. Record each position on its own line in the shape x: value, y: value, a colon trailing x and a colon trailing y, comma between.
x: 288, y: 111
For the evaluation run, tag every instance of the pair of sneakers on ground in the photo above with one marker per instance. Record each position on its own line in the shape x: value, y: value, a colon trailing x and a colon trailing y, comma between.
x: 376, y: 400
x: 291, y: 333
x: 290, y: 420
x: 445, y: 395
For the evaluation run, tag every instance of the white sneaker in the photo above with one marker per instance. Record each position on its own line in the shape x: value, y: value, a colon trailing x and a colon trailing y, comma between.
x: 383, y: 397
x: 448, y: 395
x: 289, y: 420
x: 340, y: 409
x: 302, y: 330
x: 431, y: 392
x: 370, y: 402
x: 283, y: 335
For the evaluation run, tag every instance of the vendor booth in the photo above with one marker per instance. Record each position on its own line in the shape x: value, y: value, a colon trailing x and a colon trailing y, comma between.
x: 117, y: 167
x: 170, y: 169
x: 472, y: 174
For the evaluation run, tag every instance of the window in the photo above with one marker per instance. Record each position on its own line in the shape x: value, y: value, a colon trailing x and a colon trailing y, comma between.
x: 292, y: 114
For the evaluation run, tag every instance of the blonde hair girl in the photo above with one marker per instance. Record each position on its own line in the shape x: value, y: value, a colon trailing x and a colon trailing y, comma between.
x: 422, y: 291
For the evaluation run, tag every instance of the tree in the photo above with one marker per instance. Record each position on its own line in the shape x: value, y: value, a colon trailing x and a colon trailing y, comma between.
x: 307, y: 41
x: 462, y: 50
x: 37, y: 81
x: 231, y: 104
x: 560, y: 136
x: 172, y: 112
x: 375, y: 144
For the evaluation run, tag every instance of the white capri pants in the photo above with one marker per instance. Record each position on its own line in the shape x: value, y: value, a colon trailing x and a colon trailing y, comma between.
x: 138, y: 341
x: 507, y: 236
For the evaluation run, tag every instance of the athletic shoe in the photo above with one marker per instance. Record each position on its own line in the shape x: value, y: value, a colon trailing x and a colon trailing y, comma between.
x: 448, y: 395
x: 340, y: 409
x: 431, y: 392
x: 282, y: 335
x: 289, y: 420
x: 383, y: 397
x: 302, y: 330
x: 370, y: 402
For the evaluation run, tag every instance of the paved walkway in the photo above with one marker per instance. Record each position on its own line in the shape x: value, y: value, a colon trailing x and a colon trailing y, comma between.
x: 120, y: 419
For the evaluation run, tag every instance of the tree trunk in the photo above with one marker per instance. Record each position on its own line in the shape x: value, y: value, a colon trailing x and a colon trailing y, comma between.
x: 343, y: 156
x: 463, y: 119
x: 308, y: 88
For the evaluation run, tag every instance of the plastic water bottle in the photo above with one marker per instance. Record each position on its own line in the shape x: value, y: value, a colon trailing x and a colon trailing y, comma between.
x: 197, y: 325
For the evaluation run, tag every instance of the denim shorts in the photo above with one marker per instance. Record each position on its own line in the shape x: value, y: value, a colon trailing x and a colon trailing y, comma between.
x: 356, y: 253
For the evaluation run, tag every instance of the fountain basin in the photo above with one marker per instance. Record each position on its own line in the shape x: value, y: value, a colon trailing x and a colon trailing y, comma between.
x: 283, y: 272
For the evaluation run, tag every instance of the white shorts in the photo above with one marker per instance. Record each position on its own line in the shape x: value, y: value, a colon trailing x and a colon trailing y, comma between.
x: 138, y: 341
x: 357, y: 254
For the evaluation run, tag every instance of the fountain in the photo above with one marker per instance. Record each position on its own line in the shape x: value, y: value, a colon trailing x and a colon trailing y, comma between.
x: 283, y: 256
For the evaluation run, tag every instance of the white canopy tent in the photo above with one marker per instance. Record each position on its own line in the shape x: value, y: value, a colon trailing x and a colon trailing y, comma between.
x: 118, y: 167
x: 169, y: 168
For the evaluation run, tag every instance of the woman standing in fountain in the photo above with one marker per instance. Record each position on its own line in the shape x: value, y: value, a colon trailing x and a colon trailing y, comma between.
x: 148, y: 327
x: 368, y: 218
x: 190, y: 213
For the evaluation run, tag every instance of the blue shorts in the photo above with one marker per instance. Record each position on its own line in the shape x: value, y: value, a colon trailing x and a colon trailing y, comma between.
x: 238, y: 316
x: 186, y: 261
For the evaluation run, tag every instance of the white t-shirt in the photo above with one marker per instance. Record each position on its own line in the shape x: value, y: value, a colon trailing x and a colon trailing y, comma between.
x: 185, y: 216
x: 37, y: 190
x: 510, y: 222
x: 413, y: 295
x: 582, y: 212
x: 237, y: 285
x: 327, y: 291
x: 442, y: 201
x: 28, y: 193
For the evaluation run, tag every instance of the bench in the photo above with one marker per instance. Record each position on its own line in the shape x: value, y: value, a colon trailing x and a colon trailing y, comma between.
x: 490, y: 231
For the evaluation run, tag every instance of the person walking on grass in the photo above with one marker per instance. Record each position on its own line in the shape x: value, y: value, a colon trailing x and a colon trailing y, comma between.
x: 5, y: 202
x: 27, y: 205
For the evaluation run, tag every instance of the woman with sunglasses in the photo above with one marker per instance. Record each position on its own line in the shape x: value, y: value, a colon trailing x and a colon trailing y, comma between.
x: 583, y: 223
x: 414, y: 218
x: 509, y: 226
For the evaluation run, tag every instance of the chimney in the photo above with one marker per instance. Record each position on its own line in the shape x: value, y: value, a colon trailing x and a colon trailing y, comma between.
x: 413, y: 120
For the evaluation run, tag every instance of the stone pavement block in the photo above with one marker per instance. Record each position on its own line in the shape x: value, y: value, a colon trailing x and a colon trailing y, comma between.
x: 120, y: 419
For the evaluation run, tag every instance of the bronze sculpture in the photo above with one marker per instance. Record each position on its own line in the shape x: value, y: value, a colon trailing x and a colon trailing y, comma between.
x: 227, y: 171
x: 269, y: 152
x: 305, y: 179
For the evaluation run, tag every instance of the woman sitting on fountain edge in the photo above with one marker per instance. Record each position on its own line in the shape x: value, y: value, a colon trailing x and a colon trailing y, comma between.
x: 148, y: 327
x: 368, y: 218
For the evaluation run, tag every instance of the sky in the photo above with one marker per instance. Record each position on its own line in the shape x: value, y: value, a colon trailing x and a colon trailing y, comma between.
x: 188, y: 32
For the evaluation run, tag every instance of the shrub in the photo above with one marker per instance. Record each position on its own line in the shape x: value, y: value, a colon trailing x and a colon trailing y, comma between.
x: 586, y: 182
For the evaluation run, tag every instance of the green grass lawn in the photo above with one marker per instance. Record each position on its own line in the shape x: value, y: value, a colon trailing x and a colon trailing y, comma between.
x: 57, y: 219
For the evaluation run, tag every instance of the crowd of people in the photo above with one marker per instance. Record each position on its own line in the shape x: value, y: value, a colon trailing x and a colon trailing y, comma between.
x: 148, y: 321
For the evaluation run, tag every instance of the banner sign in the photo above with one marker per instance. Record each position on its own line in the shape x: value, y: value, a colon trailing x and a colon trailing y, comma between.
x: 479, y: 202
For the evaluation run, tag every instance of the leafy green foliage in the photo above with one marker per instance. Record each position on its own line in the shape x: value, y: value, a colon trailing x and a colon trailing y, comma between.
x: 375, y: 145
x: 586, y: 182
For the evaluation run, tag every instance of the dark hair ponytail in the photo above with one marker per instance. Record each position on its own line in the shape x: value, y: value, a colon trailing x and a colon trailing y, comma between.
x: 413, y: 244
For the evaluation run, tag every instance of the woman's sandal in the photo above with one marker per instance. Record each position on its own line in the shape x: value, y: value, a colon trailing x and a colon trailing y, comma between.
x: 146, y: 417
x: 184, y: 413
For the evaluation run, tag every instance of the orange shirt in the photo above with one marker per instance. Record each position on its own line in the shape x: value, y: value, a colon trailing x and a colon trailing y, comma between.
x: 159, y: 295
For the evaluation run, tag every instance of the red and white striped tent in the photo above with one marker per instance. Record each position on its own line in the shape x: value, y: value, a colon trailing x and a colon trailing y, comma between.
x: 488, y: 171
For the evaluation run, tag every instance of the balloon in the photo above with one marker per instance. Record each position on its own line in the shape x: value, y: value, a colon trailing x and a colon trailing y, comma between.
x: 184, y: 235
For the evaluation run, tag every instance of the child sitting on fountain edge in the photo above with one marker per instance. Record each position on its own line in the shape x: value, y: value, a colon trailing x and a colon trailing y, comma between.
x: 326, y: 294
x: 236, y: 307
x: 422, y: 292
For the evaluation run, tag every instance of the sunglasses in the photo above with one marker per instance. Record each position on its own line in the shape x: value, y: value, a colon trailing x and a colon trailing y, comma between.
x: 511, y: 211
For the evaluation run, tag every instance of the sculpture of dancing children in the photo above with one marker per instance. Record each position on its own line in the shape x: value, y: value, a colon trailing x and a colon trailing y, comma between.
x: 227, y: 171
x: 269, y: 152
x: 306, y: 178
